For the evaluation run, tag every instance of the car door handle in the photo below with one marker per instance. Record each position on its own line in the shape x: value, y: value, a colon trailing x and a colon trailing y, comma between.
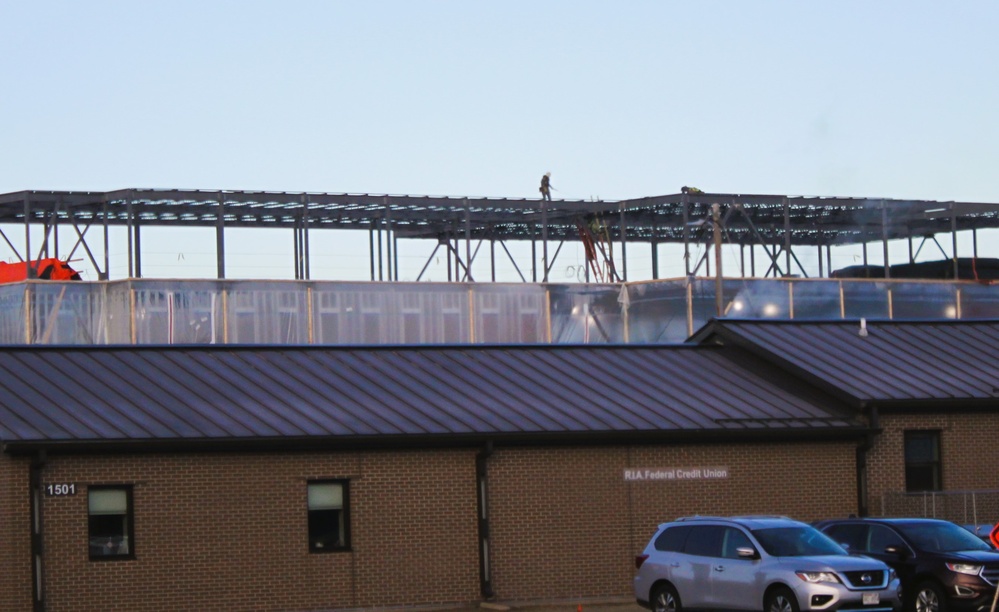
x: 719, y: 568
x: 675, y: 564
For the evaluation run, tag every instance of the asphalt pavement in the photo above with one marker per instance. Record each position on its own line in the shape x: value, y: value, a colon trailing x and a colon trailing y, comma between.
x: 568, y: 605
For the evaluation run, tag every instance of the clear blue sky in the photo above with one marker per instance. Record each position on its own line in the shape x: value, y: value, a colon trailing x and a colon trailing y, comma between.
x: 616, y: 99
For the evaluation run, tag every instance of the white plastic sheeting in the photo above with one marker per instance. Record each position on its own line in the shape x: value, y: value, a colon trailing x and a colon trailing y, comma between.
x: 365, y: 313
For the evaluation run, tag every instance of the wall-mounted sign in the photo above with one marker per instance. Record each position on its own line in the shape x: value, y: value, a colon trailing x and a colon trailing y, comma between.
x: 58, y: 490
x: 675, y: 474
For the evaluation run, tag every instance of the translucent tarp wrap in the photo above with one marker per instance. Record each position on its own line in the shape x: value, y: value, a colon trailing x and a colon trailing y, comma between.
x: 335, y: 313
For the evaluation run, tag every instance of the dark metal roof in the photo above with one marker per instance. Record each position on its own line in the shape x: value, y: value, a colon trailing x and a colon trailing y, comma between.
x: 222, y: 394
x: 896, y: 361
x: 748, y: 218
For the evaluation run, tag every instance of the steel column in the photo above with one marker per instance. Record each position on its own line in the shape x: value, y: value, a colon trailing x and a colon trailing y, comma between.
x: 131, y: 237
x: 220, y: 238
x: 29, y: 271
x: 106, y: 274
x: 884, y: 239
x: 624, y: 246
x: 787, y: 238
x: 468, y: 243
x: 544, y: 239
x: 953, y: 236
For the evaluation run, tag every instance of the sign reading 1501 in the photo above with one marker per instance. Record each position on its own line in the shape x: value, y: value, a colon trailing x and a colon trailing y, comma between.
x: 60, y: 489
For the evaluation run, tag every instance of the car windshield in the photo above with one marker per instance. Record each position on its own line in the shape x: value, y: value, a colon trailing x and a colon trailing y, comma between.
x: 941, y: 537
x: 797, y: 541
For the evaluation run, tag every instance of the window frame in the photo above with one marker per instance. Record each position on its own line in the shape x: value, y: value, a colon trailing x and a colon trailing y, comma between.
x: 129, y: 523
x: 935, y: 465
x: 344, y: 516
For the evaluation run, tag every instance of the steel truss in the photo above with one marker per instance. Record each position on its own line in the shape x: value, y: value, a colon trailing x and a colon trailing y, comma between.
x: 777, y: 223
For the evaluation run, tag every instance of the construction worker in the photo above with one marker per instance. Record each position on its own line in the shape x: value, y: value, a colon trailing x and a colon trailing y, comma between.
x: 546, y: 187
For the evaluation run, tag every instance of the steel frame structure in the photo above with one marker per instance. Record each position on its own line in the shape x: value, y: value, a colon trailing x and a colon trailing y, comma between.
x: 778, y: 223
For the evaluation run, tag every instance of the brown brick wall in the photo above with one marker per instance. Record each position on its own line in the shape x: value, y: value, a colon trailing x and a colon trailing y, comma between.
x: 228, y: 532
x: 969, y: 460
x: 564, y: 522
x: 15, y: 534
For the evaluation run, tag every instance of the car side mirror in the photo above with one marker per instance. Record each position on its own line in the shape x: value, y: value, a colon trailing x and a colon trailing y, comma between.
x: 745, y: 552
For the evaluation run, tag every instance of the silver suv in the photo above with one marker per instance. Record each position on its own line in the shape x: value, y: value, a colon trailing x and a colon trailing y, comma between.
x: 772, y: 564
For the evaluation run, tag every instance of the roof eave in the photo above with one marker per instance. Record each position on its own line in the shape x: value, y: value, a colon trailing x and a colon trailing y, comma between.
x: 361, y: 443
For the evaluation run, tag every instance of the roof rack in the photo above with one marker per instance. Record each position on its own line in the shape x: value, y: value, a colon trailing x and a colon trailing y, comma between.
x: 744, y: 517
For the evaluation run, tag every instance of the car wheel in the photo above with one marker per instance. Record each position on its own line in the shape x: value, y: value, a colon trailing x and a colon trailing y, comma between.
x: 781, y: 600
x: 665, y: 599
x: 929, y: 598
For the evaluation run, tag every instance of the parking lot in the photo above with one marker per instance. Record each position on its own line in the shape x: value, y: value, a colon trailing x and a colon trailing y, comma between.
x: 583, y: 605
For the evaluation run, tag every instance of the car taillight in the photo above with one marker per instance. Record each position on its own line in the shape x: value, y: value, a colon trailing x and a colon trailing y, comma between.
x: 639, y: 560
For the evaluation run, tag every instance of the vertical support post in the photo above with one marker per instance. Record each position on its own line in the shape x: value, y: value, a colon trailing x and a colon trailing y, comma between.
x: 624, y: 245
x: 716, y: 222
x: 371, y: 247
x: 787, y: 238
x: 655, y: 259
x: 829, y: 258
x: 305, y: 238
x: 821, y: 273
x: 30, y: 272
x: 297, y: 255
x: 106, y: 273
x: 953, y: 237
x: 381, y: 262
x: 534, y: 255
x: 752, y: 260
x: 395, y: 255
x: 388, y: 236
x: 128, y: 228
x: 55, y: 236
x: 686, y: 237
x: 544, y: 240
x: 492, y: 258
x: 450, y: 254
x: 912, y: 258
x: 220, y: 237
x: 884, y: 239
x: 468, y: 243
x: 137, y: 228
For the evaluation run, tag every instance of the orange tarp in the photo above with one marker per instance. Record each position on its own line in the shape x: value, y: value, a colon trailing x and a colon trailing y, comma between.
x: 48, y: 269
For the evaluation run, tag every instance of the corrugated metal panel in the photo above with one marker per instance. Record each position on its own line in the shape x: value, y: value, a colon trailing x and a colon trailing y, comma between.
x: 895, y: 361
x: 178, y: 393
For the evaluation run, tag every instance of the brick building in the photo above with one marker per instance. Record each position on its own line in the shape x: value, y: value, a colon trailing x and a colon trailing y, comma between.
x: 316, y: 478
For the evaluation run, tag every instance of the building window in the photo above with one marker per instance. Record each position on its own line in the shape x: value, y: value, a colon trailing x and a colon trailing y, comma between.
x: 328, y: 516
x: 110, y: 523
x: 922, y: 461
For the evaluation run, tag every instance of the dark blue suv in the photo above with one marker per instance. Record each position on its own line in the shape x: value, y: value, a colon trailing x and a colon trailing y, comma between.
x: 943, y: 567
